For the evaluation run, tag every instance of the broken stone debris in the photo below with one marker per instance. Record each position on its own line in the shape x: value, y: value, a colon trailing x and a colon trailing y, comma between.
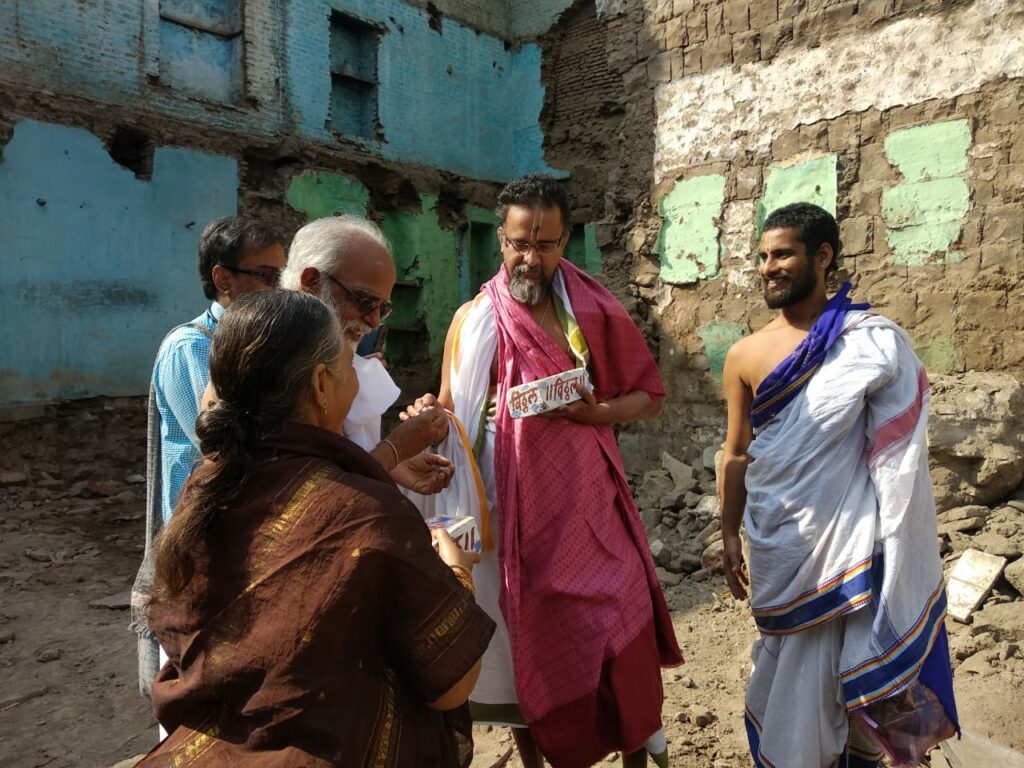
x: 971, y: 581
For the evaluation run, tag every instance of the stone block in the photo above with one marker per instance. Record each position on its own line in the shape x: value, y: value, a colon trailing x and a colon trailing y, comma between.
x: 837, y: 15
x: 682, y: 7
x: 787, y: 9
x: 875, y: 9
x: 659, y: 68
x: 675, y: 33
x: 1014, y: 574
x: 746, y: 48
x: 716, y: 22
x: 696, y: 26
x: 873, y: 164
x: 774, y: 36
x: 711, y: 558
x: 786, y: 144
x: 994, y: 544
x: 855, y: 235
x: 971, y: 581
x: 763, y: 13
x: 1004, y: 224
x: 972, y: 750
x: 691, y: 59
x: 808, y: 28
x: 999, y: 256
x: 716, y: 53
x: 736, y: 16
x: 680, y: 472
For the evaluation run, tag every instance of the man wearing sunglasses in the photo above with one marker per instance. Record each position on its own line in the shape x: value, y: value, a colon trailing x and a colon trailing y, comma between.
x: 237, y: 255
x: 346, y: 261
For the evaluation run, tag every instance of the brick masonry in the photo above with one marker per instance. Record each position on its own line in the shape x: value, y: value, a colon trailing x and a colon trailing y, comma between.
x: 902, y: 116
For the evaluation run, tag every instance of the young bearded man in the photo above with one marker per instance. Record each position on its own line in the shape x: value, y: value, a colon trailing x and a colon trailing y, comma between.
x: 826, y: 463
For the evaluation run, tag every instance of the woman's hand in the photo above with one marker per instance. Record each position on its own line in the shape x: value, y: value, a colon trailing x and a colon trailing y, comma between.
x: 427, y: 427
x: 425, y: 473
x: 451, y: 553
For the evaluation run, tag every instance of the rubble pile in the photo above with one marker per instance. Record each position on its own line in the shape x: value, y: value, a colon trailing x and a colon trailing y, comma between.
x: 679, y: 508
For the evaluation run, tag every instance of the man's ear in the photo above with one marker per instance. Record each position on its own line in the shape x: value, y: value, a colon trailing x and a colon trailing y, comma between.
x: 826, y: 256
x: 221, y: 279
x: 309, y: 279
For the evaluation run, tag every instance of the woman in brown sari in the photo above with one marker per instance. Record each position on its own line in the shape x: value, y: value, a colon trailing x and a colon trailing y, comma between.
x: 307, y: 618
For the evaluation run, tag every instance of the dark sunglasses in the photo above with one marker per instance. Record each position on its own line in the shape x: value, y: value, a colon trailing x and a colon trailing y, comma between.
x: 366, y: 305
x: 269, y: 277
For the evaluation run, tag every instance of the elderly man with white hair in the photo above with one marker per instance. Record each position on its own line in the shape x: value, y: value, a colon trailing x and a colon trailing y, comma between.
x: 346, y: 261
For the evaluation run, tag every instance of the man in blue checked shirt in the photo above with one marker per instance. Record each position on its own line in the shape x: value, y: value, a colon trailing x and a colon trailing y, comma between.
x: 237, y: 255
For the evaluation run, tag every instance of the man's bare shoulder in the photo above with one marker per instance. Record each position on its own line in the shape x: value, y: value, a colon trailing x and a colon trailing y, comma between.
x: 461, y: 312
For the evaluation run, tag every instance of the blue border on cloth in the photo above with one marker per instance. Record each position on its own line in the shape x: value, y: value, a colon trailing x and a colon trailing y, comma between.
x: 842, y: 598
x: 786, y: 381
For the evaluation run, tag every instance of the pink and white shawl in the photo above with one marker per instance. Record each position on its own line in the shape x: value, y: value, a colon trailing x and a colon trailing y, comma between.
x: 578, y: 580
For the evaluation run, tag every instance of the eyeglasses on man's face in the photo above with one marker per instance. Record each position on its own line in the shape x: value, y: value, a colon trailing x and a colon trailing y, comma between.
x: 269, y: 277
x: 365, y: 303
x: 542, y: 247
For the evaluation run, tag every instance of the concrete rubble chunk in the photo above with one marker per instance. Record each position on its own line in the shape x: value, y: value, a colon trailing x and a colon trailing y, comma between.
x: 680, y: 472
x: 972, y: 750
x: 651, y: 517
x: 668, y: 578
x: 707, y: 506
x: 660, y: 552
x: 710, y: 457
x: 969, y: 512
x: 971, y: 581
x: 1014, y: 574
x: 997, y: 545
x: 712, y: 557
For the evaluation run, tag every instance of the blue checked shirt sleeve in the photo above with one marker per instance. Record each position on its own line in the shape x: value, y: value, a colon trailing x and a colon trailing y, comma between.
x: 182, y: 373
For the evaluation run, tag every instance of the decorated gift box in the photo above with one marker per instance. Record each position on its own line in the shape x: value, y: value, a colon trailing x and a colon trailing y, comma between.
x: 547, y: 394
x: 463, y: 530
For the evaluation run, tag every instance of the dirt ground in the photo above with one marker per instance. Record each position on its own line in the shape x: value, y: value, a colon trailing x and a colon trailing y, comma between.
x: 71, y: 535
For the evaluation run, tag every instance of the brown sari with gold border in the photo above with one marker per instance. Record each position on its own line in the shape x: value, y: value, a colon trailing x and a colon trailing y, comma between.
x: 319, y: 624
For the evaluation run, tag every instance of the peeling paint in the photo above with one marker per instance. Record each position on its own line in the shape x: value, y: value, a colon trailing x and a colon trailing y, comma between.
x: 937, y: 354
x: 924, y: 213
x: 688, y: 240
x: 720, y: 114
x: 427, y: 293
x: 810, y: 181
x: 92, y: 279
x: 718, y: 336
x: 319, y: 194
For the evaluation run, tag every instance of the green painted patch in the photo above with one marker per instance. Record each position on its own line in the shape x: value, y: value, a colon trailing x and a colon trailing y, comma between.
x: 427, y: 293
x: 319, y: 194
x: 812, y: 181
x: 582, y: 249
x: 931, y: 151
x: 924, y: 213
x: 717, y: 338
x: 938, y: 354
x: 688, y: 240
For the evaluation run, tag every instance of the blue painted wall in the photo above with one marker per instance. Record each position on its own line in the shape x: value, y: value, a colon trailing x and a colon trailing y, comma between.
x: 454, y: 99
x: 95, y: 264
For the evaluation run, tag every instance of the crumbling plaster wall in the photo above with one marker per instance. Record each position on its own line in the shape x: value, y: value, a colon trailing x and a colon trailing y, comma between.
x: 901, y: 116
x: 91, y: 81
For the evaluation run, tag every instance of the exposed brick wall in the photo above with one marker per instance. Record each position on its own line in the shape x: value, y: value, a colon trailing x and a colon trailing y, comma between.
x: 739, y: 62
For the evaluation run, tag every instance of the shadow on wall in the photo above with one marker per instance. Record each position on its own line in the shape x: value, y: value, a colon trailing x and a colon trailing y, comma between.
x: 98, y: 264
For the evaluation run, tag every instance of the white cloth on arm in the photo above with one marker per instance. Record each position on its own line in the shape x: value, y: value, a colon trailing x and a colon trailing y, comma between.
x: 841, y: 522
x: 377, y: 392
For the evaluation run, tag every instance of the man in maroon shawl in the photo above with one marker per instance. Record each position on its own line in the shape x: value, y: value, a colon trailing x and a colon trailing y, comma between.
x: 567, y: 574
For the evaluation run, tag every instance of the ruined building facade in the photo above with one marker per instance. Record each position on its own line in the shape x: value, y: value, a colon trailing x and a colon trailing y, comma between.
x: 127, y: 124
